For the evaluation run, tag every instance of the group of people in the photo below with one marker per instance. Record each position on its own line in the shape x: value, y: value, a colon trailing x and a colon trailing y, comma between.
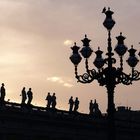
x: 73, y: 105
x: 26, y: 96
x: 94, y: 108
x: 51, y: 100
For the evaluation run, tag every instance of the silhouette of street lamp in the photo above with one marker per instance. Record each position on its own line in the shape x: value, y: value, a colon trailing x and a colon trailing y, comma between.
x: 106, y: 74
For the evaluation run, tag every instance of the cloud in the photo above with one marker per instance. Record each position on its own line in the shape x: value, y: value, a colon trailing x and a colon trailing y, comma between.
x: 68, y: 42
x: 54, y: 79
x: 60, y: 80
x: 68, y: 85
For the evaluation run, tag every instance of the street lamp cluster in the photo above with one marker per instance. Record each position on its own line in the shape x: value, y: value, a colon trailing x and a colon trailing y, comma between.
x: 106, y: 74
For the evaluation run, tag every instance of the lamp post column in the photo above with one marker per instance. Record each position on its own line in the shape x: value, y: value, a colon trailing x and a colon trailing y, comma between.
x: 111, y: 111
x: 109, y: 75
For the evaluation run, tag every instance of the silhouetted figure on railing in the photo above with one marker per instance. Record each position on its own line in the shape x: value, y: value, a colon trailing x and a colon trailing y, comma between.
x: 96, y: 110
x: 53, y: 101
x: 71, y: 103
x: 30, y: 96
x: 49, y: 100
x: 3, y: 93
x: 91, y: 106
x: 76, y: 104
x: 23, y: 95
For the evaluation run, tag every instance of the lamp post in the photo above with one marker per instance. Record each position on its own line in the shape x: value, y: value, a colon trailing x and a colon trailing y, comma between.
x: 106, y: 73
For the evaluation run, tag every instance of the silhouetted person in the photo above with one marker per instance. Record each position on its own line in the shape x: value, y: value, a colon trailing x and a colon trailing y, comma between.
x: 3, y: 93
x: 49, y: 100
x: 76, y: 104
x: 95, y: 106
x: 96, y: 110
x: 30, y: 96
x: 23, y: 95
x: 91, y: 107
x: 71, y: 103
x: 53, y: 101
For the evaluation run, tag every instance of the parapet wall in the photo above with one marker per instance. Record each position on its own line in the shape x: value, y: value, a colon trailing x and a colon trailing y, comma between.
x: 37, y: 123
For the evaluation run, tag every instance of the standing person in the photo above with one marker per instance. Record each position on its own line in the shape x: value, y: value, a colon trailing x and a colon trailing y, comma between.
x: 71, y: 103
x: 49, y: 99
x: 53, y: 101
x: 3, y: 93
x: 95, y: 106
x: 96, y: 111
x: 23, y: 95
x: 91, y: 106
x: 76, y: 103
x: 30, y: 96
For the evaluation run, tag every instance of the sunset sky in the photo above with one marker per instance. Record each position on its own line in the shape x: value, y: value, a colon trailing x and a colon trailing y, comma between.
x: 35, y: 41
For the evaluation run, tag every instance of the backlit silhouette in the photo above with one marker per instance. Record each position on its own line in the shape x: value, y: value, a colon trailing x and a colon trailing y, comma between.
x: 3, y: 93
x: 49, y: 99
x: 76, y: 104
x: 53, y: 101
x: 30, y: 96
x: 71, y: 103
x: 23, y: 95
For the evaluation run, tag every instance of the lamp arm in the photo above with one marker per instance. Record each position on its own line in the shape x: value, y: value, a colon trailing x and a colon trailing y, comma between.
x: 125, y: 78
x: 86, y: 77
x: 135, y: 75
x: 87, y: 66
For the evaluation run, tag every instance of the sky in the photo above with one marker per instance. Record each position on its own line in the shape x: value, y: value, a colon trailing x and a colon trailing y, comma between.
x: 35, y: 41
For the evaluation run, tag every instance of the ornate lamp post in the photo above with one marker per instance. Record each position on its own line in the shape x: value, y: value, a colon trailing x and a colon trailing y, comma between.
x: 106, y: 74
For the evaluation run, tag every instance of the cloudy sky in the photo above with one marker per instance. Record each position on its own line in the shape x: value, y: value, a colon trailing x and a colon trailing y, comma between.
x: 35, y: 41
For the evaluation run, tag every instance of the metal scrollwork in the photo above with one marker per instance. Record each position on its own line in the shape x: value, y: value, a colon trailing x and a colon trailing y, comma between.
x: 125, y: 79
x: 87, y: 77
x: 93, y: 73
x: 135, y: 75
